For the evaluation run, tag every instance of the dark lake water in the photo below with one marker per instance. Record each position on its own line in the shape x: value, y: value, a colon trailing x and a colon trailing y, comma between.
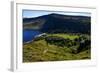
x: 29, y: 34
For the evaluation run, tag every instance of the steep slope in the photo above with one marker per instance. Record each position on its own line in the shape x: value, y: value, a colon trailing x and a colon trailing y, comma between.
x: 58, y: 23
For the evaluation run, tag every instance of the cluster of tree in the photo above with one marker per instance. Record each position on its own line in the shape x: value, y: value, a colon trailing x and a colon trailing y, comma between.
x: 82, y: 44
x: 59, y: 41
x: 77, y: 45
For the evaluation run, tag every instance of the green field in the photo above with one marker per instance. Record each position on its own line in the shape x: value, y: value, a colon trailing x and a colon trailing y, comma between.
x: 67, y: 48
x: 66, y: 36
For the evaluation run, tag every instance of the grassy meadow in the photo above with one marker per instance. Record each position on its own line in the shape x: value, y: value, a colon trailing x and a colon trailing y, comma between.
x: 57, y: 47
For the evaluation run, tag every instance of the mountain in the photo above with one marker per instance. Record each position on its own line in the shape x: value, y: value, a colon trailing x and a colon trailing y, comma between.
x: 58, y: 23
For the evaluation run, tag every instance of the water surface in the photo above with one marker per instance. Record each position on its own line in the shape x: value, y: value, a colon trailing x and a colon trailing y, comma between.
x: 29, y: 34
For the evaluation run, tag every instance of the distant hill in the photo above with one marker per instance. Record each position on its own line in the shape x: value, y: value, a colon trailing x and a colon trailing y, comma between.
x: 58, y: 23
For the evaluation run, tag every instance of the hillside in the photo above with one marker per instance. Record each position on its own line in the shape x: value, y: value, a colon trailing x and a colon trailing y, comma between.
x: 63, y: 47
x: 57, y: 23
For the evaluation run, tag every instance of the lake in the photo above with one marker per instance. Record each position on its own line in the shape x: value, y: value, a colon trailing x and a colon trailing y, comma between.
x: 29, y: 34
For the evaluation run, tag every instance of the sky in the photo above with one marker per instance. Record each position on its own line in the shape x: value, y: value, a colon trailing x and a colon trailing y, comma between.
x: 35, y: 13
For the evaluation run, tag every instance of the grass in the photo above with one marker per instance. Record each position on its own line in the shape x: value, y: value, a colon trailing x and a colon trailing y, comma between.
x: 41, y: 51
x: 65, y: 36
